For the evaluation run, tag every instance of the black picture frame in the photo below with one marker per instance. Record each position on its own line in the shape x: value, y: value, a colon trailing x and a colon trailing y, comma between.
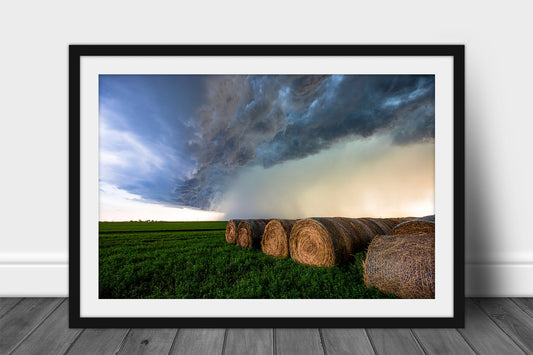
x: 77, y: 52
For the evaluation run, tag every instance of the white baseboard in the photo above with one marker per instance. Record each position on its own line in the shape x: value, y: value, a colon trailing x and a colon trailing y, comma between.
x: 49, y: 279
x: 499, y: 280
x: 34, y: 280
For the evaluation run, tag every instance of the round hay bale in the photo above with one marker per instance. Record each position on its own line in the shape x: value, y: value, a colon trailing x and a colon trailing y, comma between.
x: 399, y: 220
x: 324, y: 241
x: 250, y: 232
x: 415, y: 226
x: 403, y: 265
x: 376, y: 228
x: 367, y: 231
x: 393, y: 222
x: 384, y: 225
x: 231, y: 230
x: 275, y: 241
x: 430, y: 218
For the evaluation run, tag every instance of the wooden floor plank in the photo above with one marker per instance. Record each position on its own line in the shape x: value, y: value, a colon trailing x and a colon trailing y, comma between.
x: 52, y: 337
x: 148, y: 341
x: 40, y: 326
x: 199, y: 341
x: 249, y: 341
x: 442, y: 341
x: 7, y: 303
x: 526, y: 304
x: 516, y: 323
x: 484, y: 335
x: 99, y: 341
x: 22, y: 319
x: 298, y: 341
x: 394, y: 341
x: 346, y: 341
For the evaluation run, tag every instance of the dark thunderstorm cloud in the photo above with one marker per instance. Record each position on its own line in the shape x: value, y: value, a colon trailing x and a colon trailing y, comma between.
x: 266, y: 120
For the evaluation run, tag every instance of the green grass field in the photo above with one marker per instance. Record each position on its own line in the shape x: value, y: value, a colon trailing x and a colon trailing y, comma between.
x: 141, y: 260
x: 109, y: 227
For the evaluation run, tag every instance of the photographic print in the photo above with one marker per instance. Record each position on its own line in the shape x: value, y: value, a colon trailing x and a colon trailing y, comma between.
x: 248, y: 188
x: 326, y: 162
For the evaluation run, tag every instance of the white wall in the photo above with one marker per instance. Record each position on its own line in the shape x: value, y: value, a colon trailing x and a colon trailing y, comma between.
x: 34, y: 110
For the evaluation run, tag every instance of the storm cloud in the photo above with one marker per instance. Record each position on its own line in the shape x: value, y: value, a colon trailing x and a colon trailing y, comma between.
x: 263, y: 121
x: 370, y: 177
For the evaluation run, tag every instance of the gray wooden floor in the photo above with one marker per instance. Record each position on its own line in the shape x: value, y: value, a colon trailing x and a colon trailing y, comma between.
x: 40, y: 326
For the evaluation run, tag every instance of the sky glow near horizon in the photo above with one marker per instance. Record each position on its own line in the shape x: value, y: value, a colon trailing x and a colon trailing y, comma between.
x: 207, y: 147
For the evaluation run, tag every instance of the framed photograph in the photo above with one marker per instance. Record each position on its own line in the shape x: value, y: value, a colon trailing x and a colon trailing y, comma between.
x: 266, y: 186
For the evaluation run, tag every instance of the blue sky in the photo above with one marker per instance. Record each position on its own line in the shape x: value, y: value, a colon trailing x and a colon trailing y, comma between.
x: 174, y: 146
